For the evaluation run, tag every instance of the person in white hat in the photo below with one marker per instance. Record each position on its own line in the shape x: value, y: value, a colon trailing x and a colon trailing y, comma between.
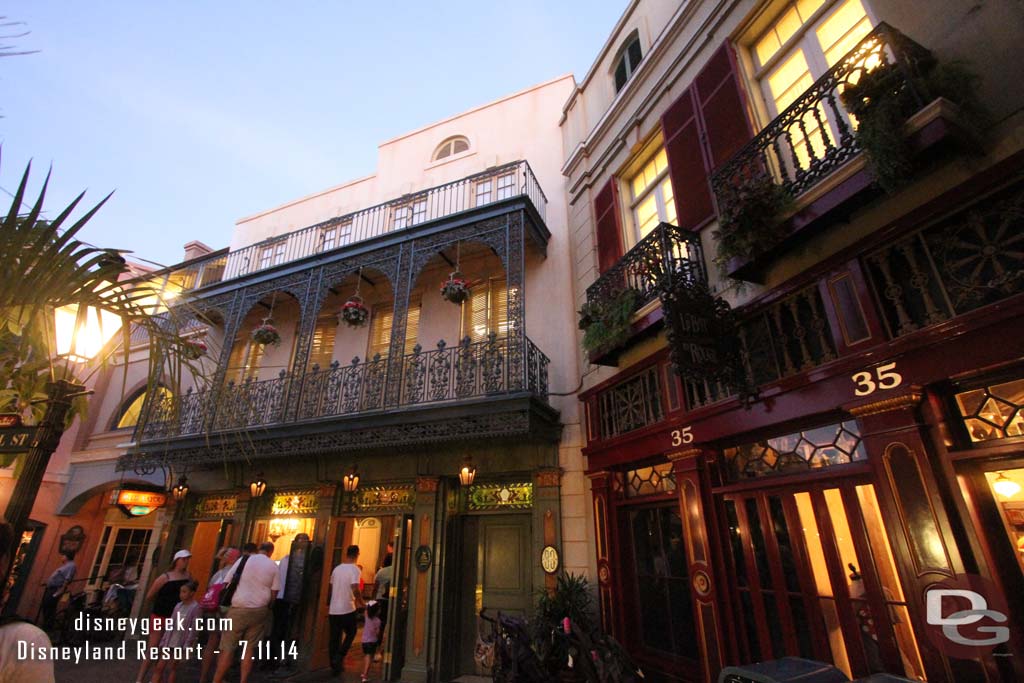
x: 165, y: 595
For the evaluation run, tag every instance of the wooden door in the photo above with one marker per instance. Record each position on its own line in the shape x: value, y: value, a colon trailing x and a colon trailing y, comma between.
x: 497, y: 577
x: 203, y: 549
x: 812, y: 569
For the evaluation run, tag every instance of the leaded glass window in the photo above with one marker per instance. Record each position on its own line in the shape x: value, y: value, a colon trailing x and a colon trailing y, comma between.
x: 993, y: 412
x: 805, y: 450
x: 646, y: 481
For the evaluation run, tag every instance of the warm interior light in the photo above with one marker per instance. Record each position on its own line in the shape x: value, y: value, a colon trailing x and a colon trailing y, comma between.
x: 82, y: 334
x: 468, y: 473
x: 1005, y: 487
x: 258, y: 486
x: 351, y: 480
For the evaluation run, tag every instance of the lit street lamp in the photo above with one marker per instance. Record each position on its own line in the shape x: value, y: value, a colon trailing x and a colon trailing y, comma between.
x: 81, y: 332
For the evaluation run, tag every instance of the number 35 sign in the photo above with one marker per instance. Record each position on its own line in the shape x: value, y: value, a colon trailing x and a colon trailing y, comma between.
x: 883, y: 377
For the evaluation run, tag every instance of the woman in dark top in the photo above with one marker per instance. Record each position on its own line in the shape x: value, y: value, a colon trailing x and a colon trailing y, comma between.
x: 165, y: 595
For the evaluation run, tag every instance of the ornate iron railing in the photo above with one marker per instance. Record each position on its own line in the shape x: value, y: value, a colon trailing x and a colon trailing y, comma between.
x: 445, y: 374
x: 814, y: 135
x: 490, y: 186
x: 632, y: 404
x: 662, y: 257
x: 969, y: 259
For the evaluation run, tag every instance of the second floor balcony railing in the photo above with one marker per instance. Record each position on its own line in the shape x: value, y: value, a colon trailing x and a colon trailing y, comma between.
x: 489, y: 368
x: 666, y: 255
x: 515, y: 179
x: 814, y: 135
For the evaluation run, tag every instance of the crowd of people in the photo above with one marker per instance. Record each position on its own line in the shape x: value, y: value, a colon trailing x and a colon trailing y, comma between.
x: 244, y: 595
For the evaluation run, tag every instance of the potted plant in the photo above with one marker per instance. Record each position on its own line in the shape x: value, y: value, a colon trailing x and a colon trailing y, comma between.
x: 608, y: 325
x: 748, y: 221
x: 354, y: 312
x: 570, y: 600
x: 193, y: 349
x: 456, y: 288
x: 266, y: 334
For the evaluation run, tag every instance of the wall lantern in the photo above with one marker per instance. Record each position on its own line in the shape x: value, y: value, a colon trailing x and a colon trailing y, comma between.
x: 258, y: 486
x: 351, y: 480
x: 1005, y: 487
x: 181, y: 489
x: 468, y: 473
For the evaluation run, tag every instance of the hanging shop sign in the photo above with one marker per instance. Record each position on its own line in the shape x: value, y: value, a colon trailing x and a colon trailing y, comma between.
x: 137, y: 503
x: 10, y: 420
x: 295, y: 503
x: 217, y: 506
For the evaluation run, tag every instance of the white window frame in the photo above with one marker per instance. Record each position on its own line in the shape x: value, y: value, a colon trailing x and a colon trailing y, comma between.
x: 345, y: 233
x: 481, y: 195
x: 272, y: 254
x: 94, y: 581
x: 328, y: 238
x: 503, y: 189
x: 655, y: 188
x: 440, y: 152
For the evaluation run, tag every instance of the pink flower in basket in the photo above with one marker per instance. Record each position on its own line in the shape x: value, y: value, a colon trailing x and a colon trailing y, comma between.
x: 266, y: 334
x: 455, y: 288
x: 354, y: 312
x: 194, y: 349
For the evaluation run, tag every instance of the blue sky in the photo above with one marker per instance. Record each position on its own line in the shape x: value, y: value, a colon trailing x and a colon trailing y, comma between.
x: 197, y: 114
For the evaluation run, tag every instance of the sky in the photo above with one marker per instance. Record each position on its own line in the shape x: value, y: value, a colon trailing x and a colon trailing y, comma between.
x: 197, y: 114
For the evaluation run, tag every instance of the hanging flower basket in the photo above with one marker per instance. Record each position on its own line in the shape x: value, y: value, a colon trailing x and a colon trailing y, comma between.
x: 193, y: 349
x: 354, y: 312
x: 455, y: 288
x: 266, y: 334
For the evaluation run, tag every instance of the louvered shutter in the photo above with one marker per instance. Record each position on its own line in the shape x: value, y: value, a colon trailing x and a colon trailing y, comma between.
x: 380, y: 331
x: 322, y: 350
x: 723, y: 109
x: 412, y: 325
x: 474, y: 313
x: 608, y: 226
x: 702, y: 130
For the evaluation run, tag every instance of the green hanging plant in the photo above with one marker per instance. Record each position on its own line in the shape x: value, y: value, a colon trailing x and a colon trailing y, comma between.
x: 882, y: 101
x: 608, y: 325
x: 750, y: 221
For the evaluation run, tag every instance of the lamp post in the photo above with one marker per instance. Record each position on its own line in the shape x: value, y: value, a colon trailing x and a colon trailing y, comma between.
x: 81, y: 332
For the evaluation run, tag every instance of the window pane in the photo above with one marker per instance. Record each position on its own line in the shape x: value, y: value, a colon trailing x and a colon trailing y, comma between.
x: 807, y: 8
x: 787, y: 26
x: 459, y: 146
x: 505, y: 185
x: 131, y: 414
x: 842, y: 30
x: 483, y: 192
x: 634, y: 55
x: 789, y: 80
x: 446, y: 150
x: 661, y: 160
x: 620, y: 74
x: 345, y: 233
x: 647, y: 216
x: 766, y: 47
x: 670, y: 201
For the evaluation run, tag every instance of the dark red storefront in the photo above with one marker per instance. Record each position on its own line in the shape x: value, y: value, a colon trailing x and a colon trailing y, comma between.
x: 730, y: 534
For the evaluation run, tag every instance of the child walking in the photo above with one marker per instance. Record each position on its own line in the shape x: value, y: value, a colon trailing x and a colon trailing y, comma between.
x: 371, y: 636
x: 189, y: 610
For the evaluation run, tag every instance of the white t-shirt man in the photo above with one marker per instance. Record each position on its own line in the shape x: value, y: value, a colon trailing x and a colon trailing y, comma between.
x: 258, y: 584
x: 343, y: 578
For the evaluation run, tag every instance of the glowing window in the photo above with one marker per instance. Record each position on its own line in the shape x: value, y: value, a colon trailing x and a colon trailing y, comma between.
x: 653, y: 199
x: 133, y: 409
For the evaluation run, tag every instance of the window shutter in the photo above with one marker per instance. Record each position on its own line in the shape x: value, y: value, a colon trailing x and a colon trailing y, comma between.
x: 702, y: 130
x: 609, y: 228
x: 380, y: 331
x: 722, y: 108
x: 244, y: 361
x: 412, y: 325
x: 323, y: 342
x: 499, y: 307
x: 474, y: 313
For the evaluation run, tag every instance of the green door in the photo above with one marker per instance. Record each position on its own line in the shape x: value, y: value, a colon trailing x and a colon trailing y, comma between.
x: 496, y: 562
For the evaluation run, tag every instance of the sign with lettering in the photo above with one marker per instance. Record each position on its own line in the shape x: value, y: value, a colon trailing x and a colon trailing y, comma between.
x: 215, y: 506
x: 17, y: 439
x: 137, y: 503
x: 10, y: 420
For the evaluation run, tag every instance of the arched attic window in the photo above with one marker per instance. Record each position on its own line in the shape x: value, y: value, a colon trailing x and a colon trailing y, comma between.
x: 629, y: 59
x: 131, y: 409
x: 451, y: 146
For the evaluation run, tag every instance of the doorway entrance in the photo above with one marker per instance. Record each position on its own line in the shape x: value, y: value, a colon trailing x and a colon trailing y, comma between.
x: 811, y: 570
x: 496, y: 575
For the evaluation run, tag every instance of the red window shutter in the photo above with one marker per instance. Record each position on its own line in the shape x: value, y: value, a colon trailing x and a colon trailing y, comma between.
x: 609, y: 228
x: 723, y: 109
x: 681, y: 129
x: 702, y: 130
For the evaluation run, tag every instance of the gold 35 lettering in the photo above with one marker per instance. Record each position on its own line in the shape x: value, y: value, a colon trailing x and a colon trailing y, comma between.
x: 883, y: 377
x: 681, y: 436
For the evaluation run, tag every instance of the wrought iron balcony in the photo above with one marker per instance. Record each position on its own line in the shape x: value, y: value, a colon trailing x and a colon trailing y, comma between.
x: 511, y: 180
x: 814, y: 136
x: 444, y: 375
x: 660, y: 259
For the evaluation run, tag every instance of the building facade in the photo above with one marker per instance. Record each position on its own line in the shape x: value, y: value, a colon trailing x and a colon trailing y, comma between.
x: 796, y: 255
x: 372, y: 375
